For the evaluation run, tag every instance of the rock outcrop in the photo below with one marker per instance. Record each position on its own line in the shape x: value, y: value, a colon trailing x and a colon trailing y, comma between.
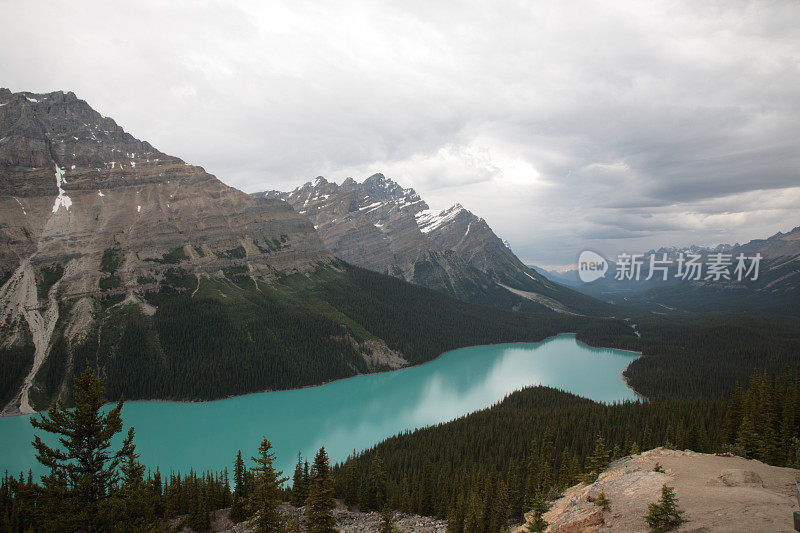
x: 347, y: 521
x: 717, y: 493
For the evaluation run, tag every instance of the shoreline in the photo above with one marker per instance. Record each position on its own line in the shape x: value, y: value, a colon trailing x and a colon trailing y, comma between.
x: 328, y: 382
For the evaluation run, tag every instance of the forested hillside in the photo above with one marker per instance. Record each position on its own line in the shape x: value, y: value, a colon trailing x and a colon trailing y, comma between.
x: 487, y: 468
x: 698, y: 355
x: 212, y: 337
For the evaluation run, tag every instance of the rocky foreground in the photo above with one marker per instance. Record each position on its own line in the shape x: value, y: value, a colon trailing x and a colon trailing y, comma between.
x: 717, y: 493
x: 347, y: 521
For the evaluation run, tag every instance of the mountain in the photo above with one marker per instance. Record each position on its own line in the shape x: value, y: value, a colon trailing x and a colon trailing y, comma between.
x: 90, y: 213
x: 379, y: 225
x: 175, y: 286
x: 776, y: 291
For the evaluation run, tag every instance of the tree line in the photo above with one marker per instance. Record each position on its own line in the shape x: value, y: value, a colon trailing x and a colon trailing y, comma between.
x: 481, y: 472
x: 92, y: 486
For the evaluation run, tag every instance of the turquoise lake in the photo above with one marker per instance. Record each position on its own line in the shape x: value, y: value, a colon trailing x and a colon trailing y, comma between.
x: 350, y: 414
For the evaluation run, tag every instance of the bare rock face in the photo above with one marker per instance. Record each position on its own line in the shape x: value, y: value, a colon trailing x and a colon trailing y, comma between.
x: 73, y: 184
x: 717, y: 494
x: 86, y: 210
x: 379, y: 225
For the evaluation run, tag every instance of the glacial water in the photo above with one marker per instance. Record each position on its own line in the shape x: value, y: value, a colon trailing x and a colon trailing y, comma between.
x: 350, y: 414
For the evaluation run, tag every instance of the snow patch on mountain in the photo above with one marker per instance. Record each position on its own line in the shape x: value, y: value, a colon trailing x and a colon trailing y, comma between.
x: 61, y: 199
x: 22, y: 206
x: 431, y: 220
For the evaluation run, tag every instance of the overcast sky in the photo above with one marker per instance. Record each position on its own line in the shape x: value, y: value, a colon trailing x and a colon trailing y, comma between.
x: 613, y: 126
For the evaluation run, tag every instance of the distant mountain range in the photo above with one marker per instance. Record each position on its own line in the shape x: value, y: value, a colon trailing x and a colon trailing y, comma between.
x: 777, y: 289
x: 379, y: 225
x: 174, y: 285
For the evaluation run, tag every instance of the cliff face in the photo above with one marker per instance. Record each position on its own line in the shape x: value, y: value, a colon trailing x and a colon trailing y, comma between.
x: 87, y: 212
x: 73, y: 184
x: 384, y: 227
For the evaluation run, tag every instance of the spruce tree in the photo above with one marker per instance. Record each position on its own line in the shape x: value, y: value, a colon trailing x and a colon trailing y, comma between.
x: 377, y: 484
x: 135, y: 502
x: 500, y: 520
x: 84, y: 470
x: 387, y: 521
x: 299, y: 483
x: 537, y: 522
x: 266, y: 493
x: 748, y: 439
x: 238, y: 498
x: 664, y: 515
x: 319, y: 517
x: 598, y: 461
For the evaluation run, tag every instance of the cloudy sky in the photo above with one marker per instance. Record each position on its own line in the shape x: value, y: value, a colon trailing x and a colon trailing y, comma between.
x: 613, y: 126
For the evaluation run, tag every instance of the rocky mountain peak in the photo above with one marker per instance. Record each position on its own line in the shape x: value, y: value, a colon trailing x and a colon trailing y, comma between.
x: 380, y: 225
x: 74, y: 184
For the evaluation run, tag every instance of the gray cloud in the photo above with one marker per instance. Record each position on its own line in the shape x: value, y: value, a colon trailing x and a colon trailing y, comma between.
x: 566, y: 125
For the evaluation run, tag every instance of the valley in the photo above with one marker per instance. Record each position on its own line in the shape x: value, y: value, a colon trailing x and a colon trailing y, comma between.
x: 175, y: 286
x: 354, y: 413
x: 445, y: 378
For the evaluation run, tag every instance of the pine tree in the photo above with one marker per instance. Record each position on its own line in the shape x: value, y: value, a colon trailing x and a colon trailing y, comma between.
x: 238, y: 498
x: 733, y: 417
x: 617, y: 453
x: 455, y: 517
x: 293, y: 525
x: 319, y: 517
x: 349, y: 490
x: 377, y: 484
x: 266, y: 494
x: 135, y: 502
x: 387, y: 521
x: 664, y: 515
x: 647, y: 438
x: 83, y: 473
x: 537, y: 522
x: 299, y: 483
x: 598, y: 461
x: 500, y: 520
x: 748, y: 439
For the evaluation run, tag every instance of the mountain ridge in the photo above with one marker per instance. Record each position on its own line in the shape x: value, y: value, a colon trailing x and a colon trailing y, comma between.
x: 173, y: 285
x: 775, y: 291
x: 382, y: 226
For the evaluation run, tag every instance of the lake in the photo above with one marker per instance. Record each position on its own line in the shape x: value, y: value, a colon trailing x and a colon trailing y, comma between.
x: 349, y: 414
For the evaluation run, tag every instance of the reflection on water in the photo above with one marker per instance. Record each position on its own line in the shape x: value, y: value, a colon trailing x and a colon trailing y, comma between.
x: 350, y: 414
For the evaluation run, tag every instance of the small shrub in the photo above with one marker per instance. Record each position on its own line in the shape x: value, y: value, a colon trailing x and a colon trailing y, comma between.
x: 603, y: 501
